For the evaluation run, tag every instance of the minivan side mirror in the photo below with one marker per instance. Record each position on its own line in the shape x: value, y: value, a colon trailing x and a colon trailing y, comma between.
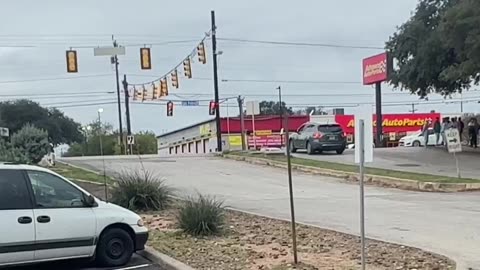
x: 90, y: 201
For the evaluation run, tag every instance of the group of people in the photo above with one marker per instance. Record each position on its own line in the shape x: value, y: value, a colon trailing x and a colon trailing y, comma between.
x: 439, y: 128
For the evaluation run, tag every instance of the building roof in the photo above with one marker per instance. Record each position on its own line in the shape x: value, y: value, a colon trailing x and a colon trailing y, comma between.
x: 184, y: 128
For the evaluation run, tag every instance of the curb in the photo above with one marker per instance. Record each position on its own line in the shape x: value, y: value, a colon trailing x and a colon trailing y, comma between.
x: 166, y: 262
x: 383, y: 181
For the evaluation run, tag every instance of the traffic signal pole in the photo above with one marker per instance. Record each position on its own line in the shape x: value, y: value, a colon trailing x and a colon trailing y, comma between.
x: 215, y: 83
x: 127, y: 110
x: 115, y: 59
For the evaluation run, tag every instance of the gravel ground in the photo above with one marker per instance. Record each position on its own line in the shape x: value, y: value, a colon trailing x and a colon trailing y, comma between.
x: 253, y: 242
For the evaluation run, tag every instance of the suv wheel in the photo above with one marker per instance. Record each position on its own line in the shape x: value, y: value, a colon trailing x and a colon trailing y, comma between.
x: 292, y: 147
x: 340, y: 151
x: 309, y: 149
x: 115, y: 248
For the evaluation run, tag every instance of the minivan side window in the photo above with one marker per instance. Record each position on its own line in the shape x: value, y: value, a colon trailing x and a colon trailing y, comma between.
x: 13, y: 191
x: 51, y: 191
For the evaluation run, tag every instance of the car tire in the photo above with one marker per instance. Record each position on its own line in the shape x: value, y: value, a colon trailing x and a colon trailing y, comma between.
x: 340, y: 151
x: 115, y: 248
x: 292, y: 147
x: 416, y: 144
x: 309, y: 149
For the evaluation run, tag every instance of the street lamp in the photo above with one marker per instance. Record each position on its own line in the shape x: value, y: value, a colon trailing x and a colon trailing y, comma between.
x: 85, y: 129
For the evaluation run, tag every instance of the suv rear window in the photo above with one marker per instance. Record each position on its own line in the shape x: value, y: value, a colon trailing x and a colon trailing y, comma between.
x: 13, y: 191
x: 330, y: 128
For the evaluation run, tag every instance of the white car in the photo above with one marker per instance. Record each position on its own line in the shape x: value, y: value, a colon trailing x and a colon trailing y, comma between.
x: 417, y: 139
x: 45, y: 217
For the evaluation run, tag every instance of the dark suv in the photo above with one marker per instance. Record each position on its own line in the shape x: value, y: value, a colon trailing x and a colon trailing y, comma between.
x: 315, y: 137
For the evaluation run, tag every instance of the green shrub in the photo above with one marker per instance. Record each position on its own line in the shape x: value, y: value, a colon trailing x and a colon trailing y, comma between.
x: 10, y: 154
x: 32, y: 141
x: 201, y: 215
x: 141, y: 190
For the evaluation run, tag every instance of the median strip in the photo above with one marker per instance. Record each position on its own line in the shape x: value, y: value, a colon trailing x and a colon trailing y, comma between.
x: 375, y: 176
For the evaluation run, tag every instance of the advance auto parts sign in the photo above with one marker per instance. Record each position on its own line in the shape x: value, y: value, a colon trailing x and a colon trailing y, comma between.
x: 391, y: 122
x: 376, y: 68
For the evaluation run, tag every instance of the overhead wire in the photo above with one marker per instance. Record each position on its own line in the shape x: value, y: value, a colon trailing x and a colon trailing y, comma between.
x: 309, y: 44
x: 56, y: 78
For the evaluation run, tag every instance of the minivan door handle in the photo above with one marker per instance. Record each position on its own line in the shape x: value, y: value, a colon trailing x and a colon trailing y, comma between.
x: 24, y: 220
x: 43, y: 219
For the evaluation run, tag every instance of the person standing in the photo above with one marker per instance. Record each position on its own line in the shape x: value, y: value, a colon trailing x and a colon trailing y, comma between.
x: 445, y: 126
x: 425, y: 128
x: 437, y: 128
x: 461, y: 127
x: 473, y: 132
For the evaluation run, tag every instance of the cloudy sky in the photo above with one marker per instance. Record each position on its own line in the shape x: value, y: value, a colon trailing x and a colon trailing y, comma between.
x: 35, y: 34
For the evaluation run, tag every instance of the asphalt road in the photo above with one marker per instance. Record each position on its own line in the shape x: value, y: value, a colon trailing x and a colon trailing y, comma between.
x: 415, y: 159
x: 440, y: 222
x: 137, y: 262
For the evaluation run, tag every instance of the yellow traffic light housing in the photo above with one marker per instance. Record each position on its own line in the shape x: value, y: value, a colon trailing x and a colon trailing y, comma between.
x: 202, y: 56
x: 163, y: 87
x: 72, y: 63
x: 145, y: 58
x: 174, y: 77
x: 187, y: 67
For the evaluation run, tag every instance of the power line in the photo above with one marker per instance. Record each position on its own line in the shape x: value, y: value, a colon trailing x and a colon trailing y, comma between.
x: 290, y: 81
x: 53, y: 94
x: 56, y: 79
x: 83, y: 105
x: 286, y: 43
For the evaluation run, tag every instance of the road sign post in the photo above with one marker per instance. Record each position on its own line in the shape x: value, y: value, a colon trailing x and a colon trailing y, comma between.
x: 363, y: 153
x: 290, y: 190
x: 454, y: 145
x: 130, y: 142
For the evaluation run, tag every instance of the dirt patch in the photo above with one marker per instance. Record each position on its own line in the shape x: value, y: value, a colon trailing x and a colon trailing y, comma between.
x: 253, y: 242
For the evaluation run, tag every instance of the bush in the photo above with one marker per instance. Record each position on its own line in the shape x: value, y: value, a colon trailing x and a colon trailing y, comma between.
x: 141, y: 190
x: 11, y: 154
x: 32, y: 141
x: 201, y: 215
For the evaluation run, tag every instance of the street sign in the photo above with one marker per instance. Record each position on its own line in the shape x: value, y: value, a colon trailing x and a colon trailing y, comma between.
x: 190, y: 103
x: 4, y: 132
x: 453, y: 140
x: 108, y: 51
x: 130, y: 140
x: 263, y: 132
x: 364, y: 113
x: 253, y: 107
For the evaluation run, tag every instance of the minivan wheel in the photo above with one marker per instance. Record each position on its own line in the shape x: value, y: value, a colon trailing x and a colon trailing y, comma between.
x: 115, y: 248
x: 309, y: 149
x: 292, y: 148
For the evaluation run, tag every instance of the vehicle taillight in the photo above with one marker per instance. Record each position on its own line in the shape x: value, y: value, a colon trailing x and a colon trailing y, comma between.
x: 344, y: 134
x: 317, y: 135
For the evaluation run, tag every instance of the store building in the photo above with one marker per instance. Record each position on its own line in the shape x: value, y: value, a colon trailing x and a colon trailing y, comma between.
x: 201, y: 137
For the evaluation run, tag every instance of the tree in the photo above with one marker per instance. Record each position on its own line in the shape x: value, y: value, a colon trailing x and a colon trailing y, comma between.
x: 61, y: 129
x: 32, y: 141
x: 8, y: 153
x: 273, y: 108
x: 145, y: 143
x: 437, y: 49
x: 316, y: 111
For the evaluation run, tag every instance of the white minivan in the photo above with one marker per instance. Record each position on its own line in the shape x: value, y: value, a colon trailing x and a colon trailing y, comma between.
x: 45, y: 217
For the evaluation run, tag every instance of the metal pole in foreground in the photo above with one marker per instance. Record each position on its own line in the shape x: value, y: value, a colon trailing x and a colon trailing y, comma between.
x: 127, y: 111
x: 215, y: 83
x: 378, y: 106
x: 290, y: 188
x: 280, y: 110
x: 101, y: 154
x: 242, y: 121
x: 117, y: 79
x: 362, y: 195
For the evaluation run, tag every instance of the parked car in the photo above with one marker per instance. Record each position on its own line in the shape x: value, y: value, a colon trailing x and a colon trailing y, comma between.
x: 315, y: 137
x: 417, y: 139
x: 45, y: 217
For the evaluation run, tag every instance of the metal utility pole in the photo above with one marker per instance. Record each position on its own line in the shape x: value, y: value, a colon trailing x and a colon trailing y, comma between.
x: 215, y: 83
x: 378, y: 105
x: 362, y: 192
x: 242, y: 121
x: 281, y: 107
x: 120, y: 127
x: 413, y: 110
x: 127, y: 111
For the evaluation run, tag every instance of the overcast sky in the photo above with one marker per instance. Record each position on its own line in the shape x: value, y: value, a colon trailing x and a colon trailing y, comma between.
x: 35, y: 34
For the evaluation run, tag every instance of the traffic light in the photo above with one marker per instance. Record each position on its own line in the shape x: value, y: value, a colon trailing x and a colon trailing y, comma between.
x: 163, y: 87
x: 212, y: 108
x: 156, y: 93
x: 202, y: 56
x: 145, y: 59
x: 174, y: 76
x: 138, y: 94
x: 144, y: 93
x: 187, y: 67
x: 169, y: 108
x: 72, y: 64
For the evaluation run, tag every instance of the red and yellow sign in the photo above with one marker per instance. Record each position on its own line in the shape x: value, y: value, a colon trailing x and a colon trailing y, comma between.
x: 376, y: 68
x: 390, y: 122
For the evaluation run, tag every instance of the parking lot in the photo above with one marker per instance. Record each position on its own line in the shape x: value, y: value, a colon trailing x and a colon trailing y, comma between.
x: 137, y: 262
x: 412, y: 159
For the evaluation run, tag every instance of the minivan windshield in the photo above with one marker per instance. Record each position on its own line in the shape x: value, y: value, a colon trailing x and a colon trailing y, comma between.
x: 330, y: 128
